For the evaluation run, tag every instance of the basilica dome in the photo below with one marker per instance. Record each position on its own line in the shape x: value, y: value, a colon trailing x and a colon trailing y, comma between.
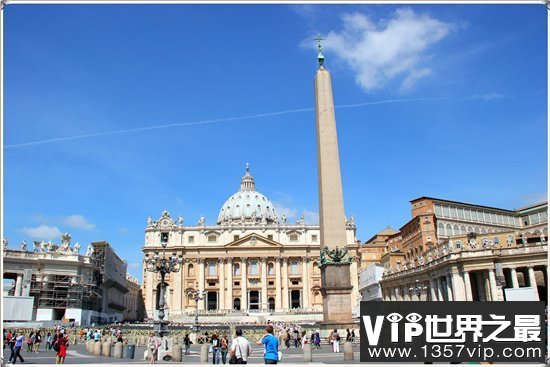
x: 247, y: 205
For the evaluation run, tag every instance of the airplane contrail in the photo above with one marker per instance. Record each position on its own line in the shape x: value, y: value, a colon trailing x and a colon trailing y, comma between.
x: 201, y: 122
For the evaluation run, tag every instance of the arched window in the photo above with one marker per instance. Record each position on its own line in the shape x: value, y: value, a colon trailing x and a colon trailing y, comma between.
x: 441, y: 229
x: 455, y: 229
x: 191, y: 271
x: 254, y: 267
x: 270, y: 269
x: 271, y: 302
x: 294, y: 267
x: 462, y: 229
x: 237, y: 304
x: 236, y: 269
x: 449, y: 230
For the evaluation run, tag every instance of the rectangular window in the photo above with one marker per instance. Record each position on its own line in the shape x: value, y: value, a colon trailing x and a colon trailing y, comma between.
x: 212, y: 269
x: 446, y: 211
x: 212, y: 284
x: 314, y: 238
x: 237, y: 283
x: 460, y: 213
x: 235, y: 237
x: 270, y: 237
x: 492, y: 218
x: 496, y: 241
x: 212, y: 238
x: 500, y: 219
x: 438, y: 210
x: 295, y: 282
x: 468, y: 214
x: 271, y: 283
x: 453, y: 212
x: 191, y: 239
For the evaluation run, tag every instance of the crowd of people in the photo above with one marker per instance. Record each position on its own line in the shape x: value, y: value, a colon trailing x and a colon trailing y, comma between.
x: 56, y: 339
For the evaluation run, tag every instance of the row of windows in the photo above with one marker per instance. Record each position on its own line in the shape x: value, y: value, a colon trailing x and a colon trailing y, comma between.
x: 535, y: 218
x: 448, y: 230
x: 254, y: 268
x: 476, y: 215
x: 213, y: 238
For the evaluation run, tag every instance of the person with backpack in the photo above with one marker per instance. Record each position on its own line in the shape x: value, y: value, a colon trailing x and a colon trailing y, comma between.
x: 30, y: 342
x: 271, y: 346
x: 187, y: 343
x: 240, y: 349
x: 335, y: 340
x: 60, y: 347
x: 224, y: 348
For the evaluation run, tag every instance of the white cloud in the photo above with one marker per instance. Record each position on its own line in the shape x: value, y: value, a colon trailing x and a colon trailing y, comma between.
x: 123, y: 230
x: 42, y: 232
x: 281, y: 209
x: 392, y: 49
x: 78, y: 221
x: 311, y: 217
x: 133, y: 266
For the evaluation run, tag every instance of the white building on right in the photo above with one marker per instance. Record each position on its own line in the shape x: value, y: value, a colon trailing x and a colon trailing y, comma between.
x: 369, y: 282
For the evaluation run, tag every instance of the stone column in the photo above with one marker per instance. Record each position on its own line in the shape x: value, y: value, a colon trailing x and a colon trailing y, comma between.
x: 439, y: 289
x: 278, y: 295
x: 467, y: 285
x: 176, y: 307
x: 449, y: 283
x: 433, y: 291
x: 264, y: 284
x: 305, y: 282
x: 285, y: 283
x: 533, y: 281
x: 18, y: 285
x: 493, y: 286
x: 244, y: 285
x: 406, y: 295
x: 202, y: 264
x: 514, y: 278
x: 229, y: 295
x: 183, y: 287
x: 398, y: 294
x: 221, y: 276
x: 458, y: 285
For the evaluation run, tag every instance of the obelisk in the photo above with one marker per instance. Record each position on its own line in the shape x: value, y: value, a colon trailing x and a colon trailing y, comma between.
x: 335, y: 277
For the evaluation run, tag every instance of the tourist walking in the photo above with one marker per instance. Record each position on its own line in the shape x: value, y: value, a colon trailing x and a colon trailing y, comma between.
x: 17, y: 352
x: 287, y: 339
x: 30, y: 342
x: 271, y: 346
x: 317, y: 339
x: 215, y: 349
x: 60, y: 346
x: 49, y: 341
x: 11, y: 343
x: 353, y: 336
x: 224, y: 348
x: 240, y: 349
x: 335, y: 340
x: 187, y: 343
x: 154, y: 344
x: 348, y: 335
x: 37, y: 341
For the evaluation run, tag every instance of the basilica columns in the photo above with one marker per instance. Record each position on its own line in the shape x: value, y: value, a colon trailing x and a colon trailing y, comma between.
x: 514, y: 276
x: 229, y: 296
x: 244, y: 288
x: 305, y: 282
x: 467, y: 285
x: 264, y: 284
x: 278, y: 283
x: 285, y: 283
x: 18, y: 285
x: 202, y: 264
x: 533, y: 281
x: 221, y: 277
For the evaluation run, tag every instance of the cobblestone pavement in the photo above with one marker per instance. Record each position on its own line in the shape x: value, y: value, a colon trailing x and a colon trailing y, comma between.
x: 76, y: 354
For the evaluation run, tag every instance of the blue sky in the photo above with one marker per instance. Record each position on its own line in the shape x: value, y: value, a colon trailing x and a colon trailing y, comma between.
x: 447, y: 101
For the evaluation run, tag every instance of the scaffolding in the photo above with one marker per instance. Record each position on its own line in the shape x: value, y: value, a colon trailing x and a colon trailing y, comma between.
x: 63, y: 291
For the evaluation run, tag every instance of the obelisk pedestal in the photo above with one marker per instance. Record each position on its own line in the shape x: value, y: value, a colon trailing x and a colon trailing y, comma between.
x: 336, y: 290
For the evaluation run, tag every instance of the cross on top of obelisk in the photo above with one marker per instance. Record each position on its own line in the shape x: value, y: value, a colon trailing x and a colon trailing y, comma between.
x: 320, y: 56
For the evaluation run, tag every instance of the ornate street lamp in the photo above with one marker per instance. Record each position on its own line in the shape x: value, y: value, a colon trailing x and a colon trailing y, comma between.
x: 197, y: 295
x: 417, y: 289
x: 163, y: 266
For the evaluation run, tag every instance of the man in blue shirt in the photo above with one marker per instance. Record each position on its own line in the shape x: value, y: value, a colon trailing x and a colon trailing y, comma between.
x: 18, y: 345
x: 271, y: 345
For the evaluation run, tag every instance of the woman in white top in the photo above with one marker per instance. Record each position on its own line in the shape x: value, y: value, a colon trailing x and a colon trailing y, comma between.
x: 240, y: 348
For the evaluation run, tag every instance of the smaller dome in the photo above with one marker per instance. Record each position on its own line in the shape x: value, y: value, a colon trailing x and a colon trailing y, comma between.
x: 247, y: 205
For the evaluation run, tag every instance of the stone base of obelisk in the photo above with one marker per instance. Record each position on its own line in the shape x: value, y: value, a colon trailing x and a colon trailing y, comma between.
x: 336, y: 290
